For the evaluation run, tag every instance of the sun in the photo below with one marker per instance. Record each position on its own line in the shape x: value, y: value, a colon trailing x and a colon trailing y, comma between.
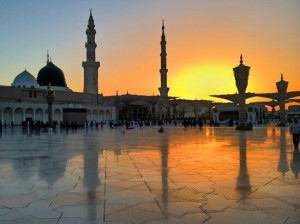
x: 202, y: 80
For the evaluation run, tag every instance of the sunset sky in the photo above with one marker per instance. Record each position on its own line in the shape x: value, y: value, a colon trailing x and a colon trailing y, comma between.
x: 204, y: 41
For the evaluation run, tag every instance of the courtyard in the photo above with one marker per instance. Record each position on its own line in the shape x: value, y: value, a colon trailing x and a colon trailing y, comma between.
x: 211, y: 175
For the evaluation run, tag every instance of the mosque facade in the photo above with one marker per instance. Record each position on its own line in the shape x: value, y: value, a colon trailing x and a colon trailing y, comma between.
x: 25, y: 99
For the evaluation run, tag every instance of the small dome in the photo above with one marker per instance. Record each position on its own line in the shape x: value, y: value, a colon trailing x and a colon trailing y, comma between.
x: 25, y: 79
x: 51, y: 74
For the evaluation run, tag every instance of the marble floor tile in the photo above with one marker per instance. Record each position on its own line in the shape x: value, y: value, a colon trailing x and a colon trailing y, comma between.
x: 17, y: 201
x: 129, y: 214
x: 214, y: 175
x: 231, y: 216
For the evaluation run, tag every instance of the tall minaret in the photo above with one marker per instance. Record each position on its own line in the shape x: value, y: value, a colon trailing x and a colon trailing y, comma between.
x: 90, y: 65
x: 163, y: 66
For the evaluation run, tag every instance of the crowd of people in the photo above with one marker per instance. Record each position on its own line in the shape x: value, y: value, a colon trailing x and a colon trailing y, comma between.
x: 132, y: 124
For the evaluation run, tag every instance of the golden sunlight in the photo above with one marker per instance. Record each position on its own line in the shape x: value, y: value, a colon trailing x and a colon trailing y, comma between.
x: 202, y: 80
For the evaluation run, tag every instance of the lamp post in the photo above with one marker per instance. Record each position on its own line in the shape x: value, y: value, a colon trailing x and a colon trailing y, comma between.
x: 50, y: 99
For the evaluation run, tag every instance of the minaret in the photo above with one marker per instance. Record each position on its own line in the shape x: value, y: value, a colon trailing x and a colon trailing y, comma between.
x: 163, y: 68
x: 90, y: 65
x: 47, y: 62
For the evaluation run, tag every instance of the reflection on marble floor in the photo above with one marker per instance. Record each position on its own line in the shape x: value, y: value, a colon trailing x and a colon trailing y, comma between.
x: 213, y: 175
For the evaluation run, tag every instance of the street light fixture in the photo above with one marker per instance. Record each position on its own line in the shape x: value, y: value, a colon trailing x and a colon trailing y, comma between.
x: 50, y: 99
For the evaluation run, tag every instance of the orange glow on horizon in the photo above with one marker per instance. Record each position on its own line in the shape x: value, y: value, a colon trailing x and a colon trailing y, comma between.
x: 202, y: 80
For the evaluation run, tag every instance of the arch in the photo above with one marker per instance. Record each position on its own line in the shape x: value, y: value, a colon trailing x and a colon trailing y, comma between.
x: 95, y: 115
x: 18, y: 116
x: 101, y: 115
x: 39, y: 114
x: 29, y: 113
x: 88, y: 115
x: 7, y: 115
x: 57, y: 115
x: 107, y: 115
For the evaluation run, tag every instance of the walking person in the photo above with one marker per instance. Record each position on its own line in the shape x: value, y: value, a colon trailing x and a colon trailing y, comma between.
x: 295, y: 131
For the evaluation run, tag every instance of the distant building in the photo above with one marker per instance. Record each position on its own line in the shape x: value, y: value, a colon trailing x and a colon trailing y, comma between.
x: 293, y: 112
x: 255, y: 113
x: 25, y: 99
x: 158, y: 107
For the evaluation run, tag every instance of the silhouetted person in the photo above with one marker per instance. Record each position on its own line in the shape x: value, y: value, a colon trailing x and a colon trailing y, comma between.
x: 295, y: 131
x: 200, y: 123
x: 161, y: 129
x: 230, y: 122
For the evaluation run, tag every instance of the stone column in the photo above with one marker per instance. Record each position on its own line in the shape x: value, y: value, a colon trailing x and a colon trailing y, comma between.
x: 282, y: 86
x: 242, y: 117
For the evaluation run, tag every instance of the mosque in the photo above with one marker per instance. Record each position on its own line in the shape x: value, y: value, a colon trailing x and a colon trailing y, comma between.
x: 25, y: 99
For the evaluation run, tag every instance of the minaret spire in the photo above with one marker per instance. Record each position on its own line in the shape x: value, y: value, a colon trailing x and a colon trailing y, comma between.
x: 91, y: 65
x: 163, y: 65
x: 47, y: 62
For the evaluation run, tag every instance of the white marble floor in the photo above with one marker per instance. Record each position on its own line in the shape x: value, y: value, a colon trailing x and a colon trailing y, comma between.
x: 213, y: 175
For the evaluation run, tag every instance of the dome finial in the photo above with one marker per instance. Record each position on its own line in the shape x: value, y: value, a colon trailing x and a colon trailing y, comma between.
x: 163, y: 25
x: 281, y: 78
x: 241, y: 59
x: 90, y: 11
x: 47, y: 57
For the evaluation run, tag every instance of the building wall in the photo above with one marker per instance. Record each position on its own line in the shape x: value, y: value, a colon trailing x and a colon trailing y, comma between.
x: 18, y: 104
x: 18, y: 112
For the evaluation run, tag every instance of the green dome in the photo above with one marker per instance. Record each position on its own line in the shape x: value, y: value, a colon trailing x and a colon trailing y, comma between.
x: 51, y: 74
